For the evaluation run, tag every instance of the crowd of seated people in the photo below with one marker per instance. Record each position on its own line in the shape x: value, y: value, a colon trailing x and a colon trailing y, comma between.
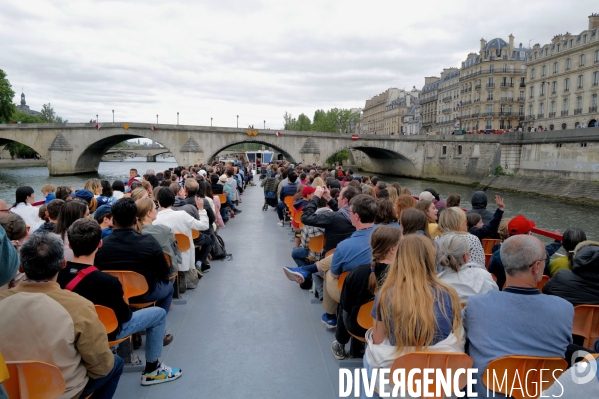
x: 62, y: 256
x: 426, y: 271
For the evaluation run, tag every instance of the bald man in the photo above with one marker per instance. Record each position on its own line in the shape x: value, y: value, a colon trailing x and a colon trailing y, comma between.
x: 518, y: 320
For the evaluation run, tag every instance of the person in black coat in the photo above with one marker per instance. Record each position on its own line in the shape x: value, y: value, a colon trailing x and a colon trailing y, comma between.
x: 479, y: 205
x: 478, y: 228
x: 579, y: 286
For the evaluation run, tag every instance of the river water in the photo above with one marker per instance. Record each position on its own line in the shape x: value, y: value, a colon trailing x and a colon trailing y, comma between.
x: 547, y: 213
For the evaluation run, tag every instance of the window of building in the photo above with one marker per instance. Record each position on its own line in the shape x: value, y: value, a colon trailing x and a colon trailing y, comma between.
x: 594, y: 100
x: 521, y: 110
x: 542, y: 109
x: 555, y: 67
x: 551, y: 127
x: 490, y: 96
x: 583, y: 144
x: 566, y: 105
x: 567, y: 84
x: 559, y: 46
x: 579, y: 102
x: 535, y: 55
x: 553, y: 106
x: 580, y: 81
x: 582, y: 59
x: 596, y: 78
x: 532, y: 91
x: 544, y: 70
x: 564, y: 126
x: 459, y: 150
x: 568, y: 64
x: 585, y: 38
x: 504, y: 68
x: 571, y: 43
x: 489, y: 125
x: 489, y: 109
x: 532, y: 73
x: 522, y: 68
x: 444, y: 150
x: 554, y: 87
x: 546, y: 51
x: 531, y: 110
x: 491, y: 68
x: 543, y: 88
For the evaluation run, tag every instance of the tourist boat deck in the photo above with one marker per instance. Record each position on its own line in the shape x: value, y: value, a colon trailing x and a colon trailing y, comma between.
x: 247, y: 331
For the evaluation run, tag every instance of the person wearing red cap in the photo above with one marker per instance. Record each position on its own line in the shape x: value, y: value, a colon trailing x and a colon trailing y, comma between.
x: 519, y: 226
x: 307, y: 194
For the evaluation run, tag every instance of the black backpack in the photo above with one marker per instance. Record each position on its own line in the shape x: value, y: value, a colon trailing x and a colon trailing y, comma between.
x: 219, y: 251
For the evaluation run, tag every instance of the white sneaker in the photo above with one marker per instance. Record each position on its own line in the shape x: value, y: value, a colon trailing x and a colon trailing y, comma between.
x: 280, y: 224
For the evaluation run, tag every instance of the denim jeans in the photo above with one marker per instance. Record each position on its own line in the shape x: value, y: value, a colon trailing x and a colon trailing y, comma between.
x: 299, y: 255
x: 205, y: 240
x: 163, y: 295
x: 105, y: 387
x: 153, y: 321
x: 369, y: 373
x: 281, y: 210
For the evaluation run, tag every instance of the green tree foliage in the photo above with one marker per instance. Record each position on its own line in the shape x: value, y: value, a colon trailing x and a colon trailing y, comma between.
x: 48, y: 115
x: 19, y: 150
x: 303, y: 123
x: 7, y: 108
x: 339, y: 157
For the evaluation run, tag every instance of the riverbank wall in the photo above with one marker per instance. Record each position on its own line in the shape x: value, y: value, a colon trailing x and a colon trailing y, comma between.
x: 19, y: 163
x: 586, y: 192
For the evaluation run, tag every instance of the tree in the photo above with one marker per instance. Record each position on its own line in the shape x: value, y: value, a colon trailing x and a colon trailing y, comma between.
x: 48, y: 114
x: 7, y: 108
x: 338, y: 157
x: 303, y: 123
x: 19, y: 150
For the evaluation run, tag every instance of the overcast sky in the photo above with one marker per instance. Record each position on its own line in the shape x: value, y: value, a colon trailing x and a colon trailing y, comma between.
x: 252, y: 58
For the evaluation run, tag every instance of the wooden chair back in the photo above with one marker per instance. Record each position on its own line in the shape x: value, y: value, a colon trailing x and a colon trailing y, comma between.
x: 316, y: 244
x: 365, y: 319
x: 516, y: 368
x: 110, y: 322
x: 182, y: 242
x: 488, y: 244
x: 297, y: 220
x: 437, y: 360
x: 222, y: 198
x: 134, y: 284
x: 586, y: 323
x: 195, y: 234
x: 33, y: 379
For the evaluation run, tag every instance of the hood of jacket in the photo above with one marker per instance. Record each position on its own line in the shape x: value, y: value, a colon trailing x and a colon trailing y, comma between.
x: 586, y: 259
x: 479, y: 200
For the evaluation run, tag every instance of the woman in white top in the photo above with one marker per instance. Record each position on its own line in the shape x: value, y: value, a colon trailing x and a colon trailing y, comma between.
x: 180, y: 222
x: 118, y: 189
x: 22, y: 207
x: 453, y: 254
x: 453, y: 220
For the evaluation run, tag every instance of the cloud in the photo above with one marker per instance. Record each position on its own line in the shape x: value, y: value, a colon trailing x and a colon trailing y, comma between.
x: 256, y: 58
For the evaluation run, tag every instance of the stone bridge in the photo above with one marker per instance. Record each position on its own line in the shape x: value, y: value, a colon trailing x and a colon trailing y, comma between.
x: 78, y: 148
x: 149, y: 152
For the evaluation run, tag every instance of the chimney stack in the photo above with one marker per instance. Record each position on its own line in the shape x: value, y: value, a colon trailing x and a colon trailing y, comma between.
x: 511, y: 45
x: 593, y: 21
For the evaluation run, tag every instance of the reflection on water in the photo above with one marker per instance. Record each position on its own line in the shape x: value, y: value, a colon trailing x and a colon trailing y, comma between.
x: 547, y: 213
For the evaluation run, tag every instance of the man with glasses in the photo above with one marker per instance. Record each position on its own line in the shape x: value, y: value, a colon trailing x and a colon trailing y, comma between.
x: 518, y: 320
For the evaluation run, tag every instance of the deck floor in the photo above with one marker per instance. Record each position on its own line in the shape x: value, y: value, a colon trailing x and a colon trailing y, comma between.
x: 247, y: 331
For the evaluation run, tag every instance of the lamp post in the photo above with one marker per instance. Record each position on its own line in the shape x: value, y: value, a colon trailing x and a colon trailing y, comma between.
x: 177, y: 118
x: 265, y: 124
x: 210, y: 121
x: 97, y: 118
x: 156, y: 118
x: 112, y: 116
x: 237, y: 121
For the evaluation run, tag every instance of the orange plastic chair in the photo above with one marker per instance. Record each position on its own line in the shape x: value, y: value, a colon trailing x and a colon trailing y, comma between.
x: 316, y: 244
x: 290, y: 208
x: 542, y: 283
x: 434, y: 360
x: 586, y: 323
x: 168, y: 259
x: 297, y: 220
x: 329, y: 252
x: 182, y: 242
x: 364, y: 319
x: 532, y: 383
x: 195, y: 234
x: 341, y: 280
x: 222, y: 198
x: 488, y: 244
x: 3, y: 370
x: 33, y: 379
x: 110, y: 322
x: 134, y: 284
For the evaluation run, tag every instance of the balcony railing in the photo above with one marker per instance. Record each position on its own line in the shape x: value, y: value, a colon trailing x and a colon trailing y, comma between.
x: 505, y: 84
x: 477, y: 100
x: 446, y: 110
x: 505, y: 113
x: 540, y: 116
x: 522, y: 84
x: 490, y: 85
x: 477, y: 87
x: 490, y: 114
x: 521, y: 117
x: 464, y: 103
x: 521, y: 99
x: 593, y: 109
x: 475, y: 115
x: 552, y: 114
x: 578, y: 111
x: 445, y: 99
x: 564, y: 113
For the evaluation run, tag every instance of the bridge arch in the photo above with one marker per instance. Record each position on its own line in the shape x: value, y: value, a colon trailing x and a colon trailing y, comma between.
x: 91, y: 156
x: 285, y: 153
x: 383, y: 160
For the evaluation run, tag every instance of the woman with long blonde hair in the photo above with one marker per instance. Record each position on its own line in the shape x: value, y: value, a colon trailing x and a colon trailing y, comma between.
x: 93, y: 185
x: 393, y: 194
x: 453, y: 220
x: 414, y: 310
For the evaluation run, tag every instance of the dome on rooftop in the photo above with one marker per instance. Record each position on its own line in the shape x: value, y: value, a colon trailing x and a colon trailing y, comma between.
x: 496, y: 43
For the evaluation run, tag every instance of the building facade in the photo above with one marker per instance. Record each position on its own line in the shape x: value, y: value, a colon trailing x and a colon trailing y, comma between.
x: 448, y: 101
x: 492, y: 86
x: 563, y: 81
x: 23, y: 107
x: 428, y: 105
x: 411, y: 122
x: 373, y: 114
